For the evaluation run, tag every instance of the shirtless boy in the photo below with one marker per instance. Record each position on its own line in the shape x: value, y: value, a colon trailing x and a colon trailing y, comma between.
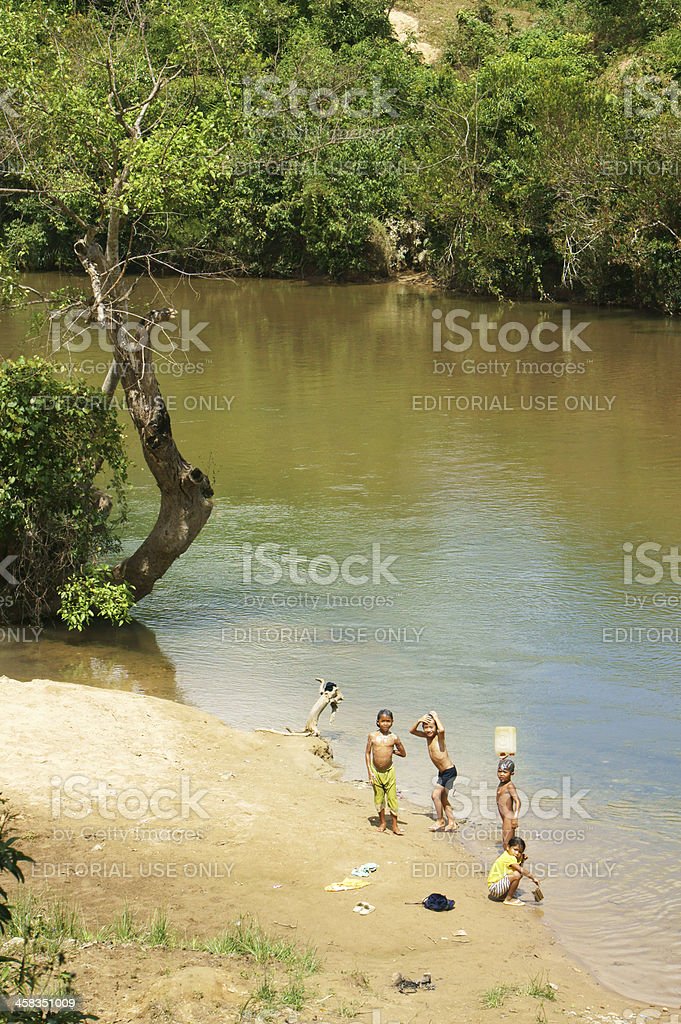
x: 381, y: 746
x: 434, y: 732
x: 508, y: 801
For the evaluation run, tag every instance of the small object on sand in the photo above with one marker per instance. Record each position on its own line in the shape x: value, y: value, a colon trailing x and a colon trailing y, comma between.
x: 436, y: 901
x: 406, y: 985
x: 277, y: 885
x: 538, y: 895
x: 364, y: 870
x: 363, y: 909
x: 346, y: 885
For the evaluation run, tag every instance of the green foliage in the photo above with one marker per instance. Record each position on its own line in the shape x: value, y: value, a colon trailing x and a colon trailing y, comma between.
x: 248, y: 938
x: 514, y: 161
x: 474, y: 41
x: 496, y: 996
x: 347, y: 22
x: 56, y: 434
x: 94, y: 593
x: 11, y: 860
x: 619, y: 22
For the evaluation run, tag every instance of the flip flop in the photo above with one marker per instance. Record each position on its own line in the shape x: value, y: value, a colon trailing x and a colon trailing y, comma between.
x: 513, y: 903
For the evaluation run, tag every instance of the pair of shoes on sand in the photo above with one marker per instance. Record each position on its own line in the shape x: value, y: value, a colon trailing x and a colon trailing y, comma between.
x: 363, y: 909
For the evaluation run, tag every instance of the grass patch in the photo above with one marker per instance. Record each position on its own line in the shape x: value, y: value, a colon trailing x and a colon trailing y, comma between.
x: 123, y: 927
x: 495, y: 997
x: 294, y: 995
x: 247, y: 938
x: 159, y: 934
x: 539, y: 988
x: 54, y: 921
x: 348, y: 1011
x: 266, y: 993
x: 46, y: 926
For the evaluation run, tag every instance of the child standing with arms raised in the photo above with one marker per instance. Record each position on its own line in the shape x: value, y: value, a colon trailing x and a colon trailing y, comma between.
x: 434, y: 731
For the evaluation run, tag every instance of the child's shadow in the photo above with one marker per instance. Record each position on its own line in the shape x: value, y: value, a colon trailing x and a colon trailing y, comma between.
x: 375, y: 822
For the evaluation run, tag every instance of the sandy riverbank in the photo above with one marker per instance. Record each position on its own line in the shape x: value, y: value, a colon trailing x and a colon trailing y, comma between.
x: 263, y: 826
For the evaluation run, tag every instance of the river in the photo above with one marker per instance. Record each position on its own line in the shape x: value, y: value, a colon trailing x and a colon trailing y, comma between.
x: 467, y: 525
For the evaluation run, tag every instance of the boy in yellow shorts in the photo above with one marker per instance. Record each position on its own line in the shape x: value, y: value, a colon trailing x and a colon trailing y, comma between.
x: 381, y: 746
x: 506, y: 872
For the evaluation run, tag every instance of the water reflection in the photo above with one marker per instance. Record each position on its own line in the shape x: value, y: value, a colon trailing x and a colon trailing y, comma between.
x: 119, y: 659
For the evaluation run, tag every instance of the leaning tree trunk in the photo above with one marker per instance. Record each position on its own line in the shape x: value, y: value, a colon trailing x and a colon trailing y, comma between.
x: 185, y: 490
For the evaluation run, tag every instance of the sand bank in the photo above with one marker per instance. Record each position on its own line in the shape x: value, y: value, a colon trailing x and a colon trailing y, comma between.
x: 132, y: 799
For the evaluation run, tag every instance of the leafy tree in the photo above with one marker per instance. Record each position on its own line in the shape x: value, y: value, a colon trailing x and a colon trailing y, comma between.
x: 107, y: 145
x: 57, y: 436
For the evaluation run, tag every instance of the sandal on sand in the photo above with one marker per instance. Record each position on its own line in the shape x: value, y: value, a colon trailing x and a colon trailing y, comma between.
x: 513, y: 903
x: 363, y: 909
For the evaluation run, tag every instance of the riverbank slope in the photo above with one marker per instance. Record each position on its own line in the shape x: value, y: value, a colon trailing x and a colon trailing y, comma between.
x: 134, y: 801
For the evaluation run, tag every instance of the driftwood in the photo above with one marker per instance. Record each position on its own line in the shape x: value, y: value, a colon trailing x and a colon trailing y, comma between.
x: 329, y: 695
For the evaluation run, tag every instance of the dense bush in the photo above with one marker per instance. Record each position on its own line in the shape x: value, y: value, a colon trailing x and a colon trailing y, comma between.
x: 529, y: 162
x: 56, y: 437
